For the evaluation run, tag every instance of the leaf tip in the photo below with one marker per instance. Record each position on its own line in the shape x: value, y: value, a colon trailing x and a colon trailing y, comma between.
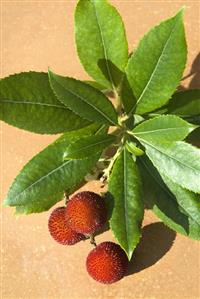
x: 49, y: 70
x: 19, y: 212
x: 193, y: 127
x: 129, y: 255
x: 181, y: 11
x: 6, y: 203
x: 128, y: 251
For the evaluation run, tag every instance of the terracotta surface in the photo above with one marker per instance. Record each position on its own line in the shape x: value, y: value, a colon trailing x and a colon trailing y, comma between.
x: 38, y: 34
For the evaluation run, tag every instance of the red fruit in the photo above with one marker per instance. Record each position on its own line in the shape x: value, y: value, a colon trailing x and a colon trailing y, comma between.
x: 107, y: 263
x: 60, y: 230
x: 86, y: 212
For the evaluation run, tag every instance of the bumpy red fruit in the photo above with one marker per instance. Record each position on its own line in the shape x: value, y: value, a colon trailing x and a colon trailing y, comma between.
x: 86, y: 212
x: 60, y: 230
x: 107, y: 263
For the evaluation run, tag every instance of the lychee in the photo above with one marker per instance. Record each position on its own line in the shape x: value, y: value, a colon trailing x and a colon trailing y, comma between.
x: 107, y: 263
x: 86, y: 212
x: 59, y: 229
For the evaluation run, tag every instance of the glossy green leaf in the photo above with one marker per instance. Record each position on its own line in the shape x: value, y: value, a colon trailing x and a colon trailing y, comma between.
x: 125, y: 187
x: 185, y: 103
x: 38, y: 207
x: 170, y: 205
x: 179, y: 161
x: 96, y: 85
x: 138, y: 119
x: 43, y: 179
x: 156, y: 66
x: 28, y: 102
x: 163, y: 128
x: 83, y: 99
x: 126, y: 95
x: 88, y: 146
x: 101, y: 41
x: 189, y: 201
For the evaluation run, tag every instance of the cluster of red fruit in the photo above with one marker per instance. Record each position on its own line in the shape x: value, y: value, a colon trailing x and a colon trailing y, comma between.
x: 84, y: 215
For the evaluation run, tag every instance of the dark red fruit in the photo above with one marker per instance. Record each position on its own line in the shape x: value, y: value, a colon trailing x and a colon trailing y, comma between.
x: 107, y: 263
x: 60, y: 230
x: 86, y: 212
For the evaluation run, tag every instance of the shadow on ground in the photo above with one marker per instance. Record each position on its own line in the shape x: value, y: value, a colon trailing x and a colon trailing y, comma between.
x: 156, y: 241
x: 194, y: 73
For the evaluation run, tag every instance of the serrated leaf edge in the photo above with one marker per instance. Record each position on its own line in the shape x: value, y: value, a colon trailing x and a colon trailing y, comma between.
x: 151, y: 145
x: 83, y: 99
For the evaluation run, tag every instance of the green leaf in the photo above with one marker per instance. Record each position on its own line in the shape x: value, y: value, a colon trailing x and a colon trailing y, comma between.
x: 189, y: 201
x: 83, y: 99
x: 38, y: 207
x: 125, y: 188
x: 126, y: 95
x: 185, y: 103
x: 163, y: 128
x: 96, y: 85
x: 101, y: 41
x: 88, y: 146
x: 156, y: 67
x: 46, y: 176
x: 27, y: 102
x: 179, y: 161
x: 162, y: 201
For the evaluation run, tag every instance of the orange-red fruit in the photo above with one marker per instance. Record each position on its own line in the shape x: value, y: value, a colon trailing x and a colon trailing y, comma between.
x: 107, y: 263
x: 86, y: 212
x: 60, y: 230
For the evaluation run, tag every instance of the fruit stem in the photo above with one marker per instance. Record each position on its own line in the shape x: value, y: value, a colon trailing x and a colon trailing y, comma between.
x: 110, y: 166
x: 92, y: 240
x: 66, y: 198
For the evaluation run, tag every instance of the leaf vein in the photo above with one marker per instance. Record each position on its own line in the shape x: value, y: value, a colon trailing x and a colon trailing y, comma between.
x: 34, y: 103
x: 159, y: 130
x: 104, y: 46
x: 125, y: 199
x: 91, y: 145
x: 42, y: 178
x: 85, y: 101
x: 156, y: 66
x: 168, y: 155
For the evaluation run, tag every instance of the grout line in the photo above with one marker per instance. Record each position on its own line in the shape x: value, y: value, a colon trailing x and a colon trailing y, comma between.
x: 1, y: 152
x: 199, y: 242
x: 74, y: 1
